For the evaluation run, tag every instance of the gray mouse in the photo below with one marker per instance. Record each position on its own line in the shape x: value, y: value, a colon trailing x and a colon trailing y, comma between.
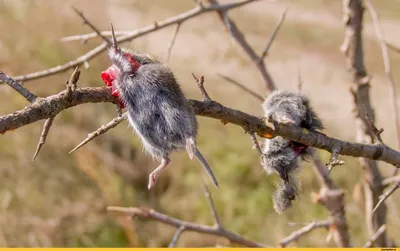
x: 157, y: 109
x: 282, y: 155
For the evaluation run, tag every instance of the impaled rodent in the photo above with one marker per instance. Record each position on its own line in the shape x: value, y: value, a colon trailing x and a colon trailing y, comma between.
x: 157, y: 109
x: 281, y: 155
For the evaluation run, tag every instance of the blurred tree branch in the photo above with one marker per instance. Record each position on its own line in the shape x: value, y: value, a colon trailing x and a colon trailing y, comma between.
x: 180, y: 18
x: 352, y: 47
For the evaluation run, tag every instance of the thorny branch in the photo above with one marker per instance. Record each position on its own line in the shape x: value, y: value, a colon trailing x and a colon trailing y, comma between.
x: 103, y: 129
x: 180, y: 18
x: 46, y: 128
x: 44, y: 108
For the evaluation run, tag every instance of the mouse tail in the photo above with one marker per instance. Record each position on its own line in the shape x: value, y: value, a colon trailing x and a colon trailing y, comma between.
x: 193, y: 151
x: 204, y: 163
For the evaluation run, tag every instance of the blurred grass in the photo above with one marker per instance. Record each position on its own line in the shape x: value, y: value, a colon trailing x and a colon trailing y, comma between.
x: 60, y: 199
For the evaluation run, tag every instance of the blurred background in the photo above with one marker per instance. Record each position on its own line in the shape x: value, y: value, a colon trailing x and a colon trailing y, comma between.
x: 60, y: 199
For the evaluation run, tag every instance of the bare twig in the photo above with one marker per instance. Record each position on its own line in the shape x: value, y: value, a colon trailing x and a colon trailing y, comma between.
x: 86, y: 37
x: 238, y: 36
x: 299, y: 79
x: 375, y: 131
x: 273, y: 35
x: 294, y: 236
x: 171, y: 44
x: 176, y: 236
x: 18, y: 87
x: 200, y: 84
x: 244, y: 88
x: 390, y: 180
x: 256, y: 145
x: 86, y: 21
x: 72, y: 82
x: 189, y: 226
x: 103, y: 129
x: 388, y: 71
x: 42, y: 140
x: 212, y: 206
x: 334, y: 160
x: 393, y: 47
x: 373, y: 239
x: 386, y: 195
x: 132, y: 35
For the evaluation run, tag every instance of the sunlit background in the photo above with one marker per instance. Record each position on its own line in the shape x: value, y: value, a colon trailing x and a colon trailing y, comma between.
x: 60, y: 200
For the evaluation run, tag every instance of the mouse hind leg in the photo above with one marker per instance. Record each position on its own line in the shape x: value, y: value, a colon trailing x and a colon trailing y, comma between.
x: 154, y: 175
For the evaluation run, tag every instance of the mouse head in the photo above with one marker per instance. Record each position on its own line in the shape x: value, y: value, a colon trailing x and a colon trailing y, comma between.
x: 124, y: 61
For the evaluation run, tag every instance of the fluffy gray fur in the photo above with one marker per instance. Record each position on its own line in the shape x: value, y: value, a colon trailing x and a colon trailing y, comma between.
x: 282, y: 154
x: 157, y: 108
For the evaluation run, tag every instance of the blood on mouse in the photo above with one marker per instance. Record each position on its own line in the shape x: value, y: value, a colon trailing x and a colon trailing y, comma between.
x: 108, y: 76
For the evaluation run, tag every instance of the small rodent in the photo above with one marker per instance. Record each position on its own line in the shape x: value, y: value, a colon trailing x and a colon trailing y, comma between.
x: 281, y: 155
x: 157, y: 109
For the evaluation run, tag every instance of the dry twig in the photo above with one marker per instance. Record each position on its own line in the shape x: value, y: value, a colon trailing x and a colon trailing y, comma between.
x: 18, y: 87
x: 103, y: 129
x: 86, y: 21
x: 189, y: 226
x: 242, y: 42
x: 386, y: 195
x: 273, y: 35
x: 171, y: 44
x: 373, y: 239
x: 294, y: 236
x: 200, y: 84
x: 43, y: 136
x: 180, y: 18
x: 176, y: 236
x: 244, y: 88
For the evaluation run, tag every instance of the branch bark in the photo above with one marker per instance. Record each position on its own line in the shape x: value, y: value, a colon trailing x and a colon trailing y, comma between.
x: 44, y: 108
x: 353, y: 49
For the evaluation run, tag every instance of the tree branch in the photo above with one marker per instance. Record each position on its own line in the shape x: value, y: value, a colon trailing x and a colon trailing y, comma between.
x: 44, y: 108
x: 242, y: 42
x: 360, y: 89
x: 242, y: 87
x: 18, y: 87
x: 373, y: 239
x: 388, y: 71
x: 189, y: 226
x: 294, y: 236
x: 132, y: 35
